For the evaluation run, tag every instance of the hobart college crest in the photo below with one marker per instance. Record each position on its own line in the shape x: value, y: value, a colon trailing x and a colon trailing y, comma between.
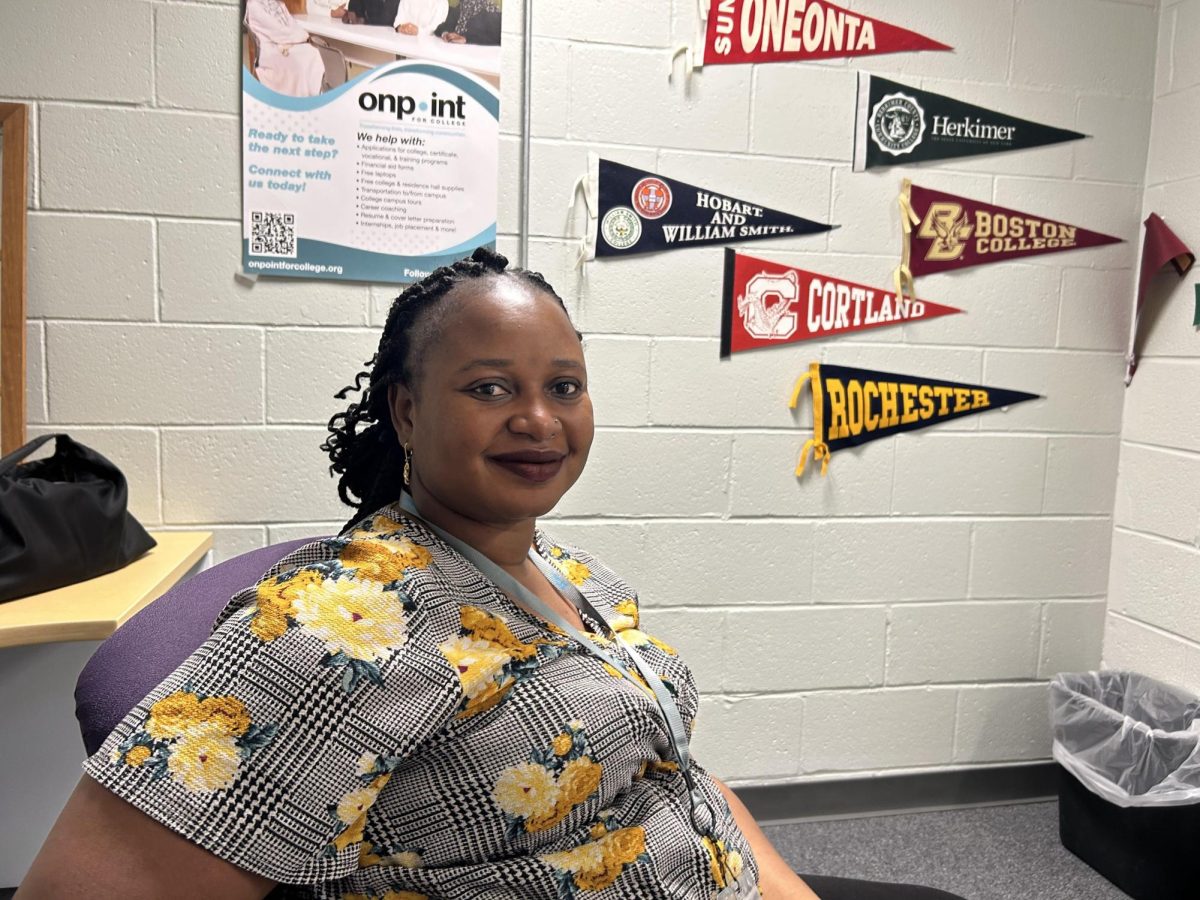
x: 897, y: 124
x: 766, y: 306
x: 621, y: 227
x: 651, y: 198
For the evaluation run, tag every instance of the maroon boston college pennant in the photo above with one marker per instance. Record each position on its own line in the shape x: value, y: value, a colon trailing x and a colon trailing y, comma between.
x: 944, y: 232
x: 768, y: 304
x: 757, y: 31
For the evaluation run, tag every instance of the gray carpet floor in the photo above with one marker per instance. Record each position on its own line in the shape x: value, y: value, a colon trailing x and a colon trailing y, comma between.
x: 989, y: 853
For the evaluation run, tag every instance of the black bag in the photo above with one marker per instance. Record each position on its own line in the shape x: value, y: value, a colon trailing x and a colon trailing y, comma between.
x: 63, y: 519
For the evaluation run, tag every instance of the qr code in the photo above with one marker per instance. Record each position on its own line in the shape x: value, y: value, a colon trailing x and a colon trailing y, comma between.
x: 272, y: 234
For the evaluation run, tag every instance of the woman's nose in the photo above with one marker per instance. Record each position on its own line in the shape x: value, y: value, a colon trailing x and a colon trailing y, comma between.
x: 535, y: 419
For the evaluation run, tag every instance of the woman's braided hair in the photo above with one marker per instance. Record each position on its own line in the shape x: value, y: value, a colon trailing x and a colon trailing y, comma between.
x: 363, y: 448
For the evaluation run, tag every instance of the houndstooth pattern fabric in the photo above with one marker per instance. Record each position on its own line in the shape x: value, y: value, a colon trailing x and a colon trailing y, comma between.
x: 375, y: 719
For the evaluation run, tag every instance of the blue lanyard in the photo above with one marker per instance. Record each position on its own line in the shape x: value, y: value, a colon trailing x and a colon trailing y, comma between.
x: 703, y: 818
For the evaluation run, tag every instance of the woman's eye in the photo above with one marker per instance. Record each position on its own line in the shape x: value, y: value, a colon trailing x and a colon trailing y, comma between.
x: 567, y: 388
x: 489, y: 389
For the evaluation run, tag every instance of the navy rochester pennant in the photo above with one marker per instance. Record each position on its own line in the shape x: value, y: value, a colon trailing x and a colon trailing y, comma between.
x: 854, y: 406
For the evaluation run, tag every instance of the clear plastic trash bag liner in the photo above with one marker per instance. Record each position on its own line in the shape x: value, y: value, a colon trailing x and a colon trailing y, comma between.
x: 1128, y: 738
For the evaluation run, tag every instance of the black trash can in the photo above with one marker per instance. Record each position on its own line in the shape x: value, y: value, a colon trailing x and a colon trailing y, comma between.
x: 1129, y: 788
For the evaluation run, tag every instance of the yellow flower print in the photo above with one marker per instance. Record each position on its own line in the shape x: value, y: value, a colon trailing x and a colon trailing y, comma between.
x: 351, y: 835
x: 476, y: 662
x: 408, y: 859
x: 556, y: 552
x: 484, y: 627
x: 173, y: 715
x: 357, y: 618
x: 274, y: 599
x: 266, y: 626
x: 227, y: 713
x: 638, y: 638
x: 384, y: 561
x: 626, y: 615
x: 598, y: 831
x: 526, y: 791
x: 351, y: 807
x: 366, y: 763
x: 586, y: 856
x: 577, y: 573
x: 562, y: 745
x: 205, y: 758
x: 578, y: 780
x: 137, y: 755
x: 486, y: 699
x: 597, y: 864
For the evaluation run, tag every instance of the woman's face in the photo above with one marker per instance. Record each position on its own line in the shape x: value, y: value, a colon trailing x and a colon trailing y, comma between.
x: 499, y: 419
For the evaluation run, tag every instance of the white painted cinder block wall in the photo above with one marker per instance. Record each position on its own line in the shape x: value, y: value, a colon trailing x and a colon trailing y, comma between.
x: 1153, y: 622
x: 903, y: 613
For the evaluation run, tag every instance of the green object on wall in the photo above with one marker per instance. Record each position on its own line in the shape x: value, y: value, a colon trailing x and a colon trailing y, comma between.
x: 1196, y: 317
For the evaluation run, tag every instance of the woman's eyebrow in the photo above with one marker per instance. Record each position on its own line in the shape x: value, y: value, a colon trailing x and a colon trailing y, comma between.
x: 487, y: 364
x: 497, y: 363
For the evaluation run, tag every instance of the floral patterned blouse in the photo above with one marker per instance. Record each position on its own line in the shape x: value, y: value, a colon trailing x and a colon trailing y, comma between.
x: 375, y: 720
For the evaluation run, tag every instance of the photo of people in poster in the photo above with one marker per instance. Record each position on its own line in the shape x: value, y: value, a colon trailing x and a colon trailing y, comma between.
x: 370, y: 134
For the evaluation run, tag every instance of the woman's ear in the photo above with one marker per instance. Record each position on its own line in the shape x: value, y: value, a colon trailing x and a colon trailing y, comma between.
x: 400, y: 404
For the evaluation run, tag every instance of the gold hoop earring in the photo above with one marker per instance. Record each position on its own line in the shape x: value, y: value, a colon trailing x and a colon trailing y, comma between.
x: 407, y: 463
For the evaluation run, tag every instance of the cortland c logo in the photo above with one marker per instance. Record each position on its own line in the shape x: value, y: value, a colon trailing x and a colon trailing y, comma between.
x: 621, y: 227
x: 897, y: 124
x: 947, y: 225
x: 766, y: 306
x: 651, y: 198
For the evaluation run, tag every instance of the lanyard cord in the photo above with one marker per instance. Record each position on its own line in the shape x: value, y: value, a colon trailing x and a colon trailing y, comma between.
x: 703, y: 818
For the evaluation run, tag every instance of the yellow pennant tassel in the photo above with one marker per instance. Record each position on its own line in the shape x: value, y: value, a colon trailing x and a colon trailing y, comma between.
x: 819, y: 448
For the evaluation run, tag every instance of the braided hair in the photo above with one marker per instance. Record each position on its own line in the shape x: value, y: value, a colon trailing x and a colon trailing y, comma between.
x: 364, y: 450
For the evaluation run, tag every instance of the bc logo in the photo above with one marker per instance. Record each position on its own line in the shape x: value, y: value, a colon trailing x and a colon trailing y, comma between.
x: 947, y: 225
x: 766, y: 305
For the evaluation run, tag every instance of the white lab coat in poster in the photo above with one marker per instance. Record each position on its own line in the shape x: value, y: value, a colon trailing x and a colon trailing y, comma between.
x: 427, y: 15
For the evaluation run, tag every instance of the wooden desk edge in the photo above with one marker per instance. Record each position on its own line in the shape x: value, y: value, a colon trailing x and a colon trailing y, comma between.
x: 99, y: 629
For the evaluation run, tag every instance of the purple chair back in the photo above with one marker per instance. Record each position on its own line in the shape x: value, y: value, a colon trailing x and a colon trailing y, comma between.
x: 151, y: 645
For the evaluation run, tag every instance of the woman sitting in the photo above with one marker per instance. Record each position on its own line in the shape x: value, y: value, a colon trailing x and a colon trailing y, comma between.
x: 473, y: 22
x: 286, y: 62
x: 443, y: 701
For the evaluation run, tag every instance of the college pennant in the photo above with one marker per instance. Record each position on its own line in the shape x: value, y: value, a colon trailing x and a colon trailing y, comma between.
x: 854, y: 406
x: 768, y: 304
x: 1159, y: 247
x: 639, y: 212
x: 757, y: 31
x: 943, y: 232
x: 896, y: 124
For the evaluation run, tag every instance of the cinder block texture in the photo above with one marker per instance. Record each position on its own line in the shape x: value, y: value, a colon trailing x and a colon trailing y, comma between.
x: 1002, y: 722
x: 194, y: 289
x: 1040, y: 558
x: 139, y: 161
x: 154, y: 374
x: 1072, y: 635
x: 91, y: 267
x: 886, y: 561
x: 749, y: 739
x: 962, y: 642
x: 306, y: 367
x: 1154, y: 581
x: 1158, y: 492
x: 848, y: 730
x: 196, y: 49
x: 247, y: 475
x: 804, y: 649
x: 104, y: 53
x: 1136, y: 647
